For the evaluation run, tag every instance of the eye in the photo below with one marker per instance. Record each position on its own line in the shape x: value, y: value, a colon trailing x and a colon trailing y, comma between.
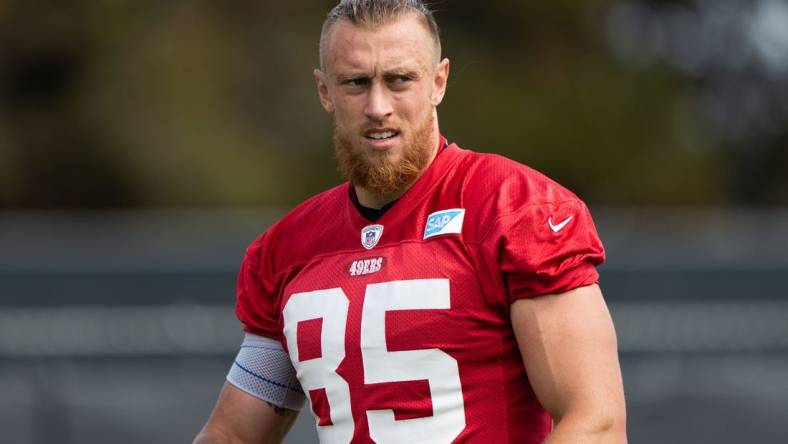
x: 400, y: 82
x: 356, y: 82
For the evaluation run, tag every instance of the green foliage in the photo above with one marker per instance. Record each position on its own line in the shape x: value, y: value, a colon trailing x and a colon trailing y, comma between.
x: 213, y: 104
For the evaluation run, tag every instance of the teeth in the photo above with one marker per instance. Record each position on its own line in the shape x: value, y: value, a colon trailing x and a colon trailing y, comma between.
x: 380, y: 136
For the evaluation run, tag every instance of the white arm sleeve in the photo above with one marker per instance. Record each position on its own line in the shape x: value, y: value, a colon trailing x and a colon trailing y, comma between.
x: 263, y: 369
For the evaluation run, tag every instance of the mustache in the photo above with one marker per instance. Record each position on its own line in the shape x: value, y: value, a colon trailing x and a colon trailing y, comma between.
x: 377, y: 172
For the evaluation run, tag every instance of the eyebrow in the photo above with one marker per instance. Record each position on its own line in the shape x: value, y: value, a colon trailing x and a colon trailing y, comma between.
x: 392, y: 73
x: 400, y: 72
x: 356, y: 75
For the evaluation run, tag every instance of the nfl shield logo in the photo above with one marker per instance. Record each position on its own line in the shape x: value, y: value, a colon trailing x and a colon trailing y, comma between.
x: 370, y: 235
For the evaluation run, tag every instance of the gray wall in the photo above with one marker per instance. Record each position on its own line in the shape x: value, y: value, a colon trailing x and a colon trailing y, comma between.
x: 118, y: 326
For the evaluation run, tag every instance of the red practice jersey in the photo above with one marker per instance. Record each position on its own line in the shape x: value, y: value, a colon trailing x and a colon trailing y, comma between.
x: 399, y: 329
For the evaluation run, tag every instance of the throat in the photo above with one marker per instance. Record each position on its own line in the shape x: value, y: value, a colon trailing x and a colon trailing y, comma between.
x: 370, y: 210
x: 375, y: 201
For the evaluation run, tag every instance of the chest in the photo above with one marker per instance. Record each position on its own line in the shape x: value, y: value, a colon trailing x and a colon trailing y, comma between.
x: 385, y: 331
x: 410, y: 294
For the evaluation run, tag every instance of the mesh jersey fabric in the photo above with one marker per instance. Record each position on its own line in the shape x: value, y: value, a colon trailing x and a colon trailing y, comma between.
x: 420, y: 344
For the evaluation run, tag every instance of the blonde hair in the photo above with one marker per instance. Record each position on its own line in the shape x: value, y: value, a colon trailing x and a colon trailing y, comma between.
x: 374, y: 13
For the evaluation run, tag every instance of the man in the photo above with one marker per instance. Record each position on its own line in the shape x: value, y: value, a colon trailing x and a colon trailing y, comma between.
x: 439, y: 296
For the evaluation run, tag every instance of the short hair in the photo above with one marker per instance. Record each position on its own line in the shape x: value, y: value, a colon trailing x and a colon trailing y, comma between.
x: 373, y: 13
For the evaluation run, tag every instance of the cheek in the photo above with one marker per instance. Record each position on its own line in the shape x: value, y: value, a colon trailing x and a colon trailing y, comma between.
x: 343, y: 116
x: 349, y: 107
x: 420, y: 112
x: 415, y: 106
x: 422, y: 100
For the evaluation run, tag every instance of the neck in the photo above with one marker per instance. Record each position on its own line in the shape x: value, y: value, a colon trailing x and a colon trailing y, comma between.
x: 378, y: 201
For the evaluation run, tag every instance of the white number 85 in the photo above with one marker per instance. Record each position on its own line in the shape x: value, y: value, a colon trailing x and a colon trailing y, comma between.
x: 380, y: 365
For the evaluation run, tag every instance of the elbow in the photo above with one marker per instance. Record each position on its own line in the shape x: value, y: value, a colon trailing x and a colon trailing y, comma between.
x: 207, y: 438
x: 594, y: 427
x: 213, y: 436
x: 610, y: 428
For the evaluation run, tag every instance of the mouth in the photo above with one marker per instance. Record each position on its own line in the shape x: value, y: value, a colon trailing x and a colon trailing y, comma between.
x: 381, y: 134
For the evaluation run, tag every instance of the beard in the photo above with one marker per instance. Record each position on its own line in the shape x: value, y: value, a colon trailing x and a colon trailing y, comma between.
x: 375, y: 171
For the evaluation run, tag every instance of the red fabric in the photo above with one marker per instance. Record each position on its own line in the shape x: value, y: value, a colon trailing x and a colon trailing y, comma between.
x: 320, y: 407
x: 507, y: 250
x: 309, y: 342
x: 408, y: 399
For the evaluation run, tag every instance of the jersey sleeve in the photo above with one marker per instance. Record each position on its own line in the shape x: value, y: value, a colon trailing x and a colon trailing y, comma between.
x: 544, y: 248
x: 255, y: 304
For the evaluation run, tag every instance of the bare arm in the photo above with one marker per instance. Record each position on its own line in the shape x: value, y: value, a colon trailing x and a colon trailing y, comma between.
x: 239, y: 417
x: 569, y: 348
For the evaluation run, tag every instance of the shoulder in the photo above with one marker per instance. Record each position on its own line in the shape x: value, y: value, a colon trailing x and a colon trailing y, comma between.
x: 497, y: 184
x: 293, y: 236
x: 314, y: 209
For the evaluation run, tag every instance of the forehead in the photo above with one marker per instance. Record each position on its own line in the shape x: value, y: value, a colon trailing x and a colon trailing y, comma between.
x: 403, y: 42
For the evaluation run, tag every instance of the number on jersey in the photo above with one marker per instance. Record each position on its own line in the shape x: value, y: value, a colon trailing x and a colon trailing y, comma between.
x: 319, y: 375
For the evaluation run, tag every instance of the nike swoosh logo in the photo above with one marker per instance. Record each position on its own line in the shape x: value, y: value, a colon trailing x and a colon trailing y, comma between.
x: 559, y: 227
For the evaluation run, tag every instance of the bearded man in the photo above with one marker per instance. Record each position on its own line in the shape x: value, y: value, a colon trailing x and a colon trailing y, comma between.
x: 438, y: 296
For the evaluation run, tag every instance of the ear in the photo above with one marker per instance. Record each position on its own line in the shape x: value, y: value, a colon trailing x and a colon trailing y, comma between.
x: 439, y: 82
x: 322, y: 91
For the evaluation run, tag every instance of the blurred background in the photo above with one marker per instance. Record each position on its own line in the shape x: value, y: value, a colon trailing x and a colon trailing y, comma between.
x: 144, y: 144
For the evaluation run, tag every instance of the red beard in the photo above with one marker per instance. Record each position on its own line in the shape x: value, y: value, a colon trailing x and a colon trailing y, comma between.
x: 375, y: 172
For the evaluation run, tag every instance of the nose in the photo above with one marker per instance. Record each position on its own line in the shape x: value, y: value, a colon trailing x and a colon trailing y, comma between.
x: 379, y: 106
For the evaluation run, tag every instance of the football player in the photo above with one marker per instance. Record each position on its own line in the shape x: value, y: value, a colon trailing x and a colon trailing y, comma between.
x: 440, y: 295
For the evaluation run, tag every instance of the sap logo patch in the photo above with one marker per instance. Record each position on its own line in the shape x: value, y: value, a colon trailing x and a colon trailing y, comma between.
x: 444, y: 222
x: 363, y: 267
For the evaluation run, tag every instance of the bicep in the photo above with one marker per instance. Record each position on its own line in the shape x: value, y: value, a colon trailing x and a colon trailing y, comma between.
x: 260, y: 400
x: 569, y: 349
x: 241, y: 417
